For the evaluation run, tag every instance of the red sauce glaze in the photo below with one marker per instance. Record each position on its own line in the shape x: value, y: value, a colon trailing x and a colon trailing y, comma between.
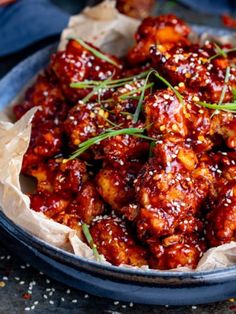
x: 77, y: 64
x: 115, y: 241
x: 162, y: 197
x: 165, y: 30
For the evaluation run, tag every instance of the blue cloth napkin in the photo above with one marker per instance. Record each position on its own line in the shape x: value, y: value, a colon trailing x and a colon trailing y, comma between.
x: 211, y: 6
x: 27, y: 21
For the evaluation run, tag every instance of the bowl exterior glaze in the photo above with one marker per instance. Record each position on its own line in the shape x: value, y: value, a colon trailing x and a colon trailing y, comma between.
x: 125, y: 284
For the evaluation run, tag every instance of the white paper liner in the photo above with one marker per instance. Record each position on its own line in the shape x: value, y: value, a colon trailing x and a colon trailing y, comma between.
x: 112, y: 32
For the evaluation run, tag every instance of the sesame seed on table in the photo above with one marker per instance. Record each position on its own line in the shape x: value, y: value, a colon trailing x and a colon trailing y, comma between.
x: 24, y: 289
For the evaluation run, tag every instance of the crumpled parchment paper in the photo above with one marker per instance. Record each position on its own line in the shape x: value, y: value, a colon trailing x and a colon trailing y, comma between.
x: 112, y: 32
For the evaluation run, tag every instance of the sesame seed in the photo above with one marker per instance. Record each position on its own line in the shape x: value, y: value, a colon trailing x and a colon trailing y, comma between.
x: 51, y: 301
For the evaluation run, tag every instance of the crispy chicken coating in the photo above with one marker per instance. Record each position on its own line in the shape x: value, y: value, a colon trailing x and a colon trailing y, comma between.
x: 45, y: 142
x: 222, y: 219
x: 200, y: 126
x: 83, y: 207
x: 65, y: 178
x: 192, y: 65
x: 85, y: 121
x: 77, y: 64
x: 170, y: 188
x: 87, y: 204
x: 48, y: 203
x: 176, y: 251
x: 46, y: 95
x: 115, y: 185
x: 115, y: 241
x: 165, y: 30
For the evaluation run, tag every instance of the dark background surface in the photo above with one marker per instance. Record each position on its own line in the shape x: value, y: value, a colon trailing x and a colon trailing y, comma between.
x: 23, y: 289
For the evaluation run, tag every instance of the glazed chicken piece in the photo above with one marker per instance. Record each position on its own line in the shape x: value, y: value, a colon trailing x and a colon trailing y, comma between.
x: 64, y: 192
x: 87, y: 204
x: 64, y: 178
x: 191, y: 65
x: 171, y: 187
x: 85, y: 121
x: 115, y: 185
x: 164, y: 31
x: 167, y: 115
x: 71, y: 211
x: 225, y: 125
x: 138, y: 9
x: 114, y: 240
x: 77, y: 64
x: 222, y: 219
x: 45, y: 142
x: 48, y: 203
x: 46, y: 95
x: 200, y: 126
x: 177, y: 250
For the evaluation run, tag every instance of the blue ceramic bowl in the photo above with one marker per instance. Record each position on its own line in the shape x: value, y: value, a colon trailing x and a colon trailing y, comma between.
x: 125, y: 284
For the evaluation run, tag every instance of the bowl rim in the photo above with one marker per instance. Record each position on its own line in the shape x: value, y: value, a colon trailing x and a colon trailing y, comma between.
x: 23, y: 235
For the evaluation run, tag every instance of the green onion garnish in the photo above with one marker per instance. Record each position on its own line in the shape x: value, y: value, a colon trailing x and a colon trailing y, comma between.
x: 163, y: 80
x: 140, y: 102
x: 227, y: 75
x: 221, y: 52
x: 110, y: 83
x: 152, y: 145
x: 178, y: 95
x: 96, y: 89
x: 134, y: 91
x: 234, y: 94
x: 231, y: 107
x: 107, y: 134
x: 90, y: 241
x: 95, y: 52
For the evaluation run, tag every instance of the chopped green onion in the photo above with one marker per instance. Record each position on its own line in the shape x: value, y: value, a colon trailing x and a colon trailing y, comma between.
x: 96, y: 89
x: 134, y: 91
x: 234, y: 94
x: 107, y: 134
x: 227, y: 75
x: 111, y: 84
x: 140, y: 102
x: 221, y: 52
x: 95, y: 52
x: 90, y: 241
x: 151, y: 149
x: 178, y: 95
x: 231, y: 107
